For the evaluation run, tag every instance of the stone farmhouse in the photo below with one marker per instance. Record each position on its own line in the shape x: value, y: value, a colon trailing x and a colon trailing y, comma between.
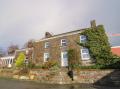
x: 55, y: 47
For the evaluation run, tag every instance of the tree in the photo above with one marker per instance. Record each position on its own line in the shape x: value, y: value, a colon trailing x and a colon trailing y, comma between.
x: 20, y: 60
x: 29, y: 44
x: 11, y: 49
x: 1, y: 52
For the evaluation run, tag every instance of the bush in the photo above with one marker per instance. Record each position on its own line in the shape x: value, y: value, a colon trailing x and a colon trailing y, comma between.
x: 55, y: 67
x: 38, y: 67
x: 90, y: 67
x: 24, y: 71
x: 50, y: 64
x: 31, y: 65
x: 115, y: 65
x: 20, y: 60
x: 111, y: 66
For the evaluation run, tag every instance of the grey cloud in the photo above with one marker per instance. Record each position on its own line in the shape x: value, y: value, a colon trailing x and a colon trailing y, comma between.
x: 21, y: 20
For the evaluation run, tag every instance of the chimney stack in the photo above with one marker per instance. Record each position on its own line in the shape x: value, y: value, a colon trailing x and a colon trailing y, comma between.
x: 47, y: 35
x: 93, y: 23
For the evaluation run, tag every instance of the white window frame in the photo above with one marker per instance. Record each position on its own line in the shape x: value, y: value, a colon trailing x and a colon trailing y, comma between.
x: 47, y: 44
x: 65, y: 53
x: 63, y: 58
x: 83, y: 38
x: 63, y: 41
x: 87, y: 53
x: 46, y: 55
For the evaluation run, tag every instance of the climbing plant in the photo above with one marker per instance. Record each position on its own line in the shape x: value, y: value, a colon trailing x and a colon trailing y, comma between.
x: 98, y: 44
x: 72, y: 58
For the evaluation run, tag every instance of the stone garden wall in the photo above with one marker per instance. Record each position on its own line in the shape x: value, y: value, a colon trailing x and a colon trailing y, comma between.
x: 6, y: 73
x: 60, y: 76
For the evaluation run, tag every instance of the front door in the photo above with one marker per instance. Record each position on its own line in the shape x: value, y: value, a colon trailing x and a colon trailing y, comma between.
x: 64, y: 59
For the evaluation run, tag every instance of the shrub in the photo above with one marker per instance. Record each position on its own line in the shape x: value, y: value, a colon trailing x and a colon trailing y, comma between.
x: 31, y: 65
x: 91, y: 67
x: 24, y: 71
x: 38, y: 67
x: 50, y: 64
x: 55, y: 67
x: 111, y: 66
x: 20, y: 60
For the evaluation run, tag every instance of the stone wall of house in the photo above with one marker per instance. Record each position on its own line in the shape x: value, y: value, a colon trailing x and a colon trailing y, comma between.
x: 55, y: 48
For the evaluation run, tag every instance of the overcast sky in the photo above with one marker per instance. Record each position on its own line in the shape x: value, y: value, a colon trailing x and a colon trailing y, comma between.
x: 21, y: 20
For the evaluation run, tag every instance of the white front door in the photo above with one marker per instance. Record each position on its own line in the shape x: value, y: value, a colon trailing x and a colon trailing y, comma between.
x: 64, y: 59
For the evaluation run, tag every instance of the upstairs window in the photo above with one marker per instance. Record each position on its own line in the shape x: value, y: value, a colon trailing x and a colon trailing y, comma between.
x: 46, y: 57
x: 63, y: 42
x: 65, y: 55
x: 47, y: 44
x: 85, y: 54
x: 83, y: 39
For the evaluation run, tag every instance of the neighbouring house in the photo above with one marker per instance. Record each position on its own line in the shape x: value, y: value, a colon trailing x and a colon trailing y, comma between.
x: 55, y: 47
x: 28, y: 52
x: 7, y: 61
x: 11, y: 49
x: 116, y: 50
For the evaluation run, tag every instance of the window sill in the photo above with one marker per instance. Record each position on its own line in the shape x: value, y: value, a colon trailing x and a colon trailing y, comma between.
x: 87, y: 59
x: 62, y: 46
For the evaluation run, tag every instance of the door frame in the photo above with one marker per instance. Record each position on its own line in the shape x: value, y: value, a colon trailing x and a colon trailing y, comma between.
x: 64, y: 61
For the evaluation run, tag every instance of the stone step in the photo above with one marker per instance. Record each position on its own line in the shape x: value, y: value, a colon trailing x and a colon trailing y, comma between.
x: 115, y: 78
x: 116, y: 82
x: 112, y: 79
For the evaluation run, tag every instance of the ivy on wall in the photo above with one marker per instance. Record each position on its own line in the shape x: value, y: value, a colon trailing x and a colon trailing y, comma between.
x: 72, y: 58
x: 98, y: 44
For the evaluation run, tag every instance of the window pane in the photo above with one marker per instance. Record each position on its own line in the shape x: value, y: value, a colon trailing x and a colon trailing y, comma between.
x: 83, y: 39
x: 46, y: 57
x: 47, y: 44
x: 65, y: 55
x: 63, y: 42
x: 86, y: 56
x: 85, y: 51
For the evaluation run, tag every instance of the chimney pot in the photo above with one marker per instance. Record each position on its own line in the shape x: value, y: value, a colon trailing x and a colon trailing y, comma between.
x: 93, y: 23
x: 47, y: 35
